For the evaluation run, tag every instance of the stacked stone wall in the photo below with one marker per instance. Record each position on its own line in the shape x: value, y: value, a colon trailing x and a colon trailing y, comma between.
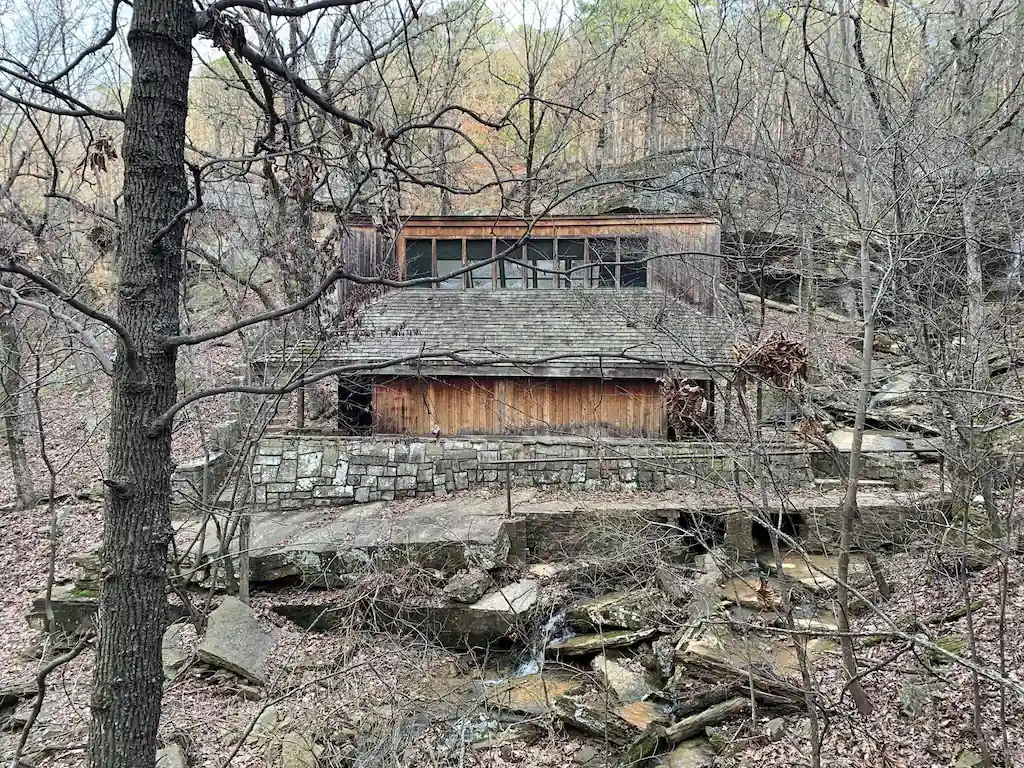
x: 299, y: 470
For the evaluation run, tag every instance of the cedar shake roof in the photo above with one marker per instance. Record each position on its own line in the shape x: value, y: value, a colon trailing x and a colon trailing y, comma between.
x: 553, y: 332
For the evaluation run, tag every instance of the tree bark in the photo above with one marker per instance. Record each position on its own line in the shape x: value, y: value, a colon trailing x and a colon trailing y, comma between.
x: 689, y: 727
x: 128, y: 680
x: 14, y: 431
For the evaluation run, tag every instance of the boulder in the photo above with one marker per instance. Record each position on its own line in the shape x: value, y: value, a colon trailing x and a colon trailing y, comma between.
x: 468, y: 586
x: 619, y: 610
x: 586, y: 645
x: 816, y: 573
x: 498, y: 614
x: 235, y: 641
x: 624, y: 676
x: 74, y: 610
x: 968, y: 759
x: 584, y: 755
x: 322, y: 549
x: 517, y: 733
x: 775, y: 728
x: 12, y: 693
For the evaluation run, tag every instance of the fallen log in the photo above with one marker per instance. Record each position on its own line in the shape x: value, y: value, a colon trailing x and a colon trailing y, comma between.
x: 767, y: 687
x: 691, y: 726
x: 708, y: 698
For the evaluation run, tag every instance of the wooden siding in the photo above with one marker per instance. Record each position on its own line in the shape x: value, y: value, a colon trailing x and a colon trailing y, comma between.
x: 689, y: 271
x: 363, y: 251
x: 520, y: 406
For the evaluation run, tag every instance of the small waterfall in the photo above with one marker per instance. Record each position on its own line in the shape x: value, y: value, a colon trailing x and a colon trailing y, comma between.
x: 553, y: 630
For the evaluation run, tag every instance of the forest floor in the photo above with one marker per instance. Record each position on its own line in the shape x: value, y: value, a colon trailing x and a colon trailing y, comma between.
x: 398, y: 697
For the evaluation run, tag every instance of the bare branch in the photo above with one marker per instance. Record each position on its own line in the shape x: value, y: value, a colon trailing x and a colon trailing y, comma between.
x: 277, y: 10
x: 37, y: 704
x: 131, y: 355
x: 192, y: 207
x: 87, y: 338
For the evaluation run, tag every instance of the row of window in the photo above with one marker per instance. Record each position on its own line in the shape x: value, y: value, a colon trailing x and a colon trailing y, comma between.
x: 597, y: 262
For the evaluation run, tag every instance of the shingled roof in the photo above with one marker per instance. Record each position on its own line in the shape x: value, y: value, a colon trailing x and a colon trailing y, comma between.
x: 615, y: 332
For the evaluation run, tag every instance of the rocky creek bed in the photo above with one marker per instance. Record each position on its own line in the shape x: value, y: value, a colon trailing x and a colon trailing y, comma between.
x: 477, y: 656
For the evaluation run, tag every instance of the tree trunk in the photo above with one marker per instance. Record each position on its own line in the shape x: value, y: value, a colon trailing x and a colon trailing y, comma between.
x: 14, y: 432
x: 849, y: 512
x: 128, y: 680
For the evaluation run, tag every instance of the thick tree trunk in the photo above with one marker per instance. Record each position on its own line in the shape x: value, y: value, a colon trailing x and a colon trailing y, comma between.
x: 128, y: 680
x: 11, y: 385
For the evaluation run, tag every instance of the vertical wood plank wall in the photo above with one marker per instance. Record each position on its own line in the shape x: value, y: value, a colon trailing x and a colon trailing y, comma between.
x: 464, y: 405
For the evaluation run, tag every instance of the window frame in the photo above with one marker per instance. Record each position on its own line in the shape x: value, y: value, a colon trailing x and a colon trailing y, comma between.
x: 592, y: 261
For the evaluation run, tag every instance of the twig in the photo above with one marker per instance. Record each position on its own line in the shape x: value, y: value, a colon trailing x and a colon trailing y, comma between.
x: 37, y: 704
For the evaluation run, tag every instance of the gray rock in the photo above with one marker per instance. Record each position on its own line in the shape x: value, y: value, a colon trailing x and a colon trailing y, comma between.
x: 74, y: 610
x: 11, y: 694
x: 842, y: 439
x: 235, y: 641
x: 265, y: 727
x: 320, y: 549
x: 694, y: 753
x: 898, y: 391
x: 619, y: 610
x: 171, y: 756
x: 516, y: 598
x: 298, y: 750
x: 468, y: 586
x: 775, y: 728
x: 623, y: 676
x: 585, y: 645
x: 917, y: 699
x: 170, y: 650
x: 584, y: 755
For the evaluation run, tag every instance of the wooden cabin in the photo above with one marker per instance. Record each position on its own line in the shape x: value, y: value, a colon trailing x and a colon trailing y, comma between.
x: 565, y: 327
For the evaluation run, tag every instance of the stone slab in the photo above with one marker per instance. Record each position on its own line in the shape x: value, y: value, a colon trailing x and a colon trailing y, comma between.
x: 235, y: 641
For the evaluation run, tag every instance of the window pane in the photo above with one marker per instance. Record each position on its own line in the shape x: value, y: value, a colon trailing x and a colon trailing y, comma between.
x: 541, y: 253
x: 570, y: 258
x: 633, y: 275
x: 602, y: 255
x: 510, y: 275
x: 449, y: 259
x: 479, y: 250
x: 418, y: 261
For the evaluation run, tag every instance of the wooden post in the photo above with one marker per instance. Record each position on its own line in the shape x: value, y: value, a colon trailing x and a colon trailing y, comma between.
x: 301, y: 415
x: 508, y: 489
x: 243, y: 558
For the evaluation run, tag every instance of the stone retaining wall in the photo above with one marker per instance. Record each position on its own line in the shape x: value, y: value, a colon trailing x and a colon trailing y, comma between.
x: 291, y: 471
x: 299, y: 470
